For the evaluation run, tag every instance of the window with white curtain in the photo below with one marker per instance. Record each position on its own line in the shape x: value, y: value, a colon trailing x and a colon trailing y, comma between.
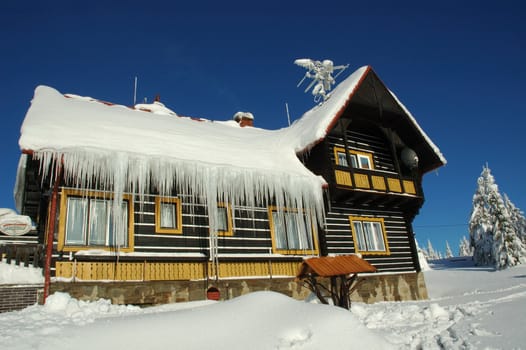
x: 224, y: 219
x: 292, y: 232
x: 168, y: 215
x: 90, y: 222
x: 369, y: 235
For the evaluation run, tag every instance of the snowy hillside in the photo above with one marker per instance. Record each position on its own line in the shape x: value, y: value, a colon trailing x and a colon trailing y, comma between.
x: 470, y: 308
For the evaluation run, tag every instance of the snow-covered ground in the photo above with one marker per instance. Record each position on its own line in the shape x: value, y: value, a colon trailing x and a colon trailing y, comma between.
x: 469, y: 308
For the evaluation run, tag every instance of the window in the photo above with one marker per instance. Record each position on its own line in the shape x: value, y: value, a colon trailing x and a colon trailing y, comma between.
x: 168, y: 215
x: 224, y: 219
x: 342, y: 158
x: 292, y: 232
x: 369, y: 235
x: 362, y: 160
x: 87, y: 221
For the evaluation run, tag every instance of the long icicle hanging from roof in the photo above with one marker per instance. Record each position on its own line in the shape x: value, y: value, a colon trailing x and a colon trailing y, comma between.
x: 120, y: 172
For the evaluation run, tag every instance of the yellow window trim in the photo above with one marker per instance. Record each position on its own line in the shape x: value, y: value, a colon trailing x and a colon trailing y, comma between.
x: 355, y: 240
x: 275, y: 250
x: 229, y: 231
x: 61, y: 246
x: 356, y: 153
x: 336, y: 151
x: 179, y: 210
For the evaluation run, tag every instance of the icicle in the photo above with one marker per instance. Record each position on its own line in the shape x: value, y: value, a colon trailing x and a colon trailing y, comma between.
x: 125, y: 172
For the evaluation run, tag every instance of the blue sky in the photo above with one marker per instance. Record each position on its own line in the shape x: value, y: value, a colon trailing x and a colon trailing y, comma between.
x: 457, y: 66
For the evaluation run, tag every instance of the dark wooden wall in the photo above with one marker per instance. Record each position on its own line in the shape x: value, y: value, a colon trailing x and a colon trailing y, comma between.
x: 337, y: 237
x: 250, y: 226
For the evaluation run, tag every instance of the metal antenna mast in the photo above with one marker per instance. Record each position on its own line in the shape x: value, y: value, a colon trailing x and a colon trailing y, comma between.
x: 135, y: 92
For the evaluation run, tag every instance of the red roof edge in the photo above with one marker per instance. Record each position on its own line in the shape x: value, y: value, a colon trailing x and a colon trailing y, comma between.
x: 340, y: 112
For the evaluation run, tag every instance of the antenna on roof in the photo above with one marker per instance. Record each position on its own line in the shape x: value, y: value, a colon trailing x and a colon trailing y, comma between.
x: 135, y: 92
x: 288, y: 114
x: 321, y: 74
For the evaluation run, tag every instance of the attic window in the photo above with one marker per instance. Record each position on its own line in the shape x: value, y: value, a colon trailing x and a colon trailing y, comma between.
x: 359, y: 159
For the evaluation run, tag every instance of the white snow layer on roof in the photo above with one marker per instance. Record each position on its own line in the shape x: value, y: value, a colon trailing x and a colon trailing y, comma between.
x: 130, y: 149
x: 156, y: 107
x: 313, y: 125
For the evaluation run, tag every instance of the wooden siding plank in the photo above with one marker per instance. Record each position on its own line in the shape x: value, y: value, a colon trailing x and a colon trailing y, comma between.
x: 362, y: 181
x: 343, y: 178
x: 394, y: 185
x: 409, y: 186
x: 378, y: 183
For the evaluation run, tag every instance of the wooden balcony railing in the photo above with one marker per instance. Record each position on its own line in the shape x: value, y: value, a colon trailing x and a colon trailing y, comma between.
x: 372, y: 180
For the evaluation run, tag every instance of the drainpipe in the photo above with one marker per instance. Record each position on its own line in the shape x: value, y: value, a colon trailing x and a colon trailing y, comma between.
x: 50, y: 236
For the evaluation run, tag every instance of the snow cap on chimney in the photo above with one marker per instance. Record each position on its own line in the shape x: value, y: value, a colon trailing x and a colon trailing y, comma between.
x: 244, y: 118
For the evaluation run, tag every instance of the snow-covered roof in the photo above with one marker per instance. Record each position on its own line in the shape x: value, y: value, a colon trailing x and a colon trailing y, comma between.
x: 133, y: 148
x: 316, y: 123
x: 59, y: 124
x: 130, y: 149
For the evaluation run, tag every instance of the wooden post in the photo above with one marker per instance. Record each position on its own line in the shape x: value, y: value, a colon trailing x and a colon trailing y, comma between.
x: 50, y: 238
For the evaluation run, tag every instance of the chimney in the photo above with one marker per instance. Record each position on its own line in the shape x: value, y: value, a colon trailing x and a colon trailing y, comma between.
x: 244, y: 119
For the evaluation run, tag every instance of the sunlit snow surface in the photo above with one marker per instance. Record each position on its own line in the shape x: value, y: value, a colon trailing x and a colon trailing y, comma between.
x: 15, y: 274
x: 469, y: 308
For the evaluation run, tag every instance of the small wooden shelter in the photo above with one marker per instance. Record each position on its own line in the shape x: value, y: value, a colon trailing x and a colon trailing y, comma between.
x: 342, y: 271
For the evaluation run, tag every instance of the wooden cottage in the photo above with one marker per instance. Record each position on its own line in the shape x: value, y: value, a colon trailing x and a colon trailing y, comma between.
x: 143, y: 206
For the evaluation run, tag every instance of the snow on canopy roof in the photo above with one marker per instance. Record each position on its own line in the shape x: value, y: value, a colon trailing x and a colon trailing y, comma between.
x: 316, y: 123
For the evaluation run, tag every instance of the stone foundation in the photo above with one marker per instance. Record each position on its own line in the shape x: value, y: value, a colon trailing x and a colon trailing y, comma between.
x: 403, y: 286
x: 372, y: 288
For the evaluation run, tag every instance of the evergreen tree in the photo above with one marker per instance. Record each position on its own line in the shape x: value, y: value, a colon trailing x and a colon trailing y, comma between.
x: 480, y: 223
x: 517, y: 218
x: 449, y: 253
x: 431, y: 253
x: 508, y: 248
x: 464, y: 248
x: 495, y: 227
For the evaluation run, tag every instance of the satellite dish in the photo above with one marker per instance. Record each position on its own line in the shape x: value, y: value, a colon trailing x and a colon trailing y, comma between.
x: 409, y: 158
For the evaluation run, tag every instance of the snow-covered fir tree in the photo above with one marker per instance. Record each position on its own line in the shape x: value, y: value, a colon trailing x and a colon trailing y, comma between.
x: 464, y: 248
x: 481, y: 222
x: 493, y: 230
x: 431, y: 253
x: 508, y: 248
x: 517, y: 218
x: 449, y: 253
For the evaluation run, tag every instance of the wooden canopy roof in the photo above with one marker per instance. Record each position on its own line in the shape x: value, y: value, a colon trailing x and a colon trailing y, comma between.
x: 329, y: 266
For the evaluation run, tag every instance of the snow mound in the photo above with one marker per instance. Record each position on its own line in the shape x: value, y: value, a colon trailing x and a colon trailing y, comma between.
x: 261, y: 320
x: 14, y: 274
